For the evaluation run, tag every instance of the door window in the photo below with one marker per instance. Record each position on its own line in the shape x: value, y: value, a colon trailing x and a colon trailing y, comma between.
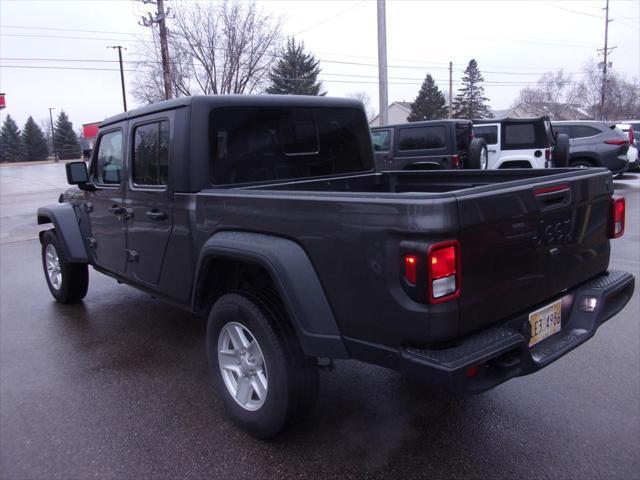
x: 582, y: 131
x: 381, y: 140
x: 489, y: 133
x: 109, y: 159
x: 421, y: 138
x: 151, y: 154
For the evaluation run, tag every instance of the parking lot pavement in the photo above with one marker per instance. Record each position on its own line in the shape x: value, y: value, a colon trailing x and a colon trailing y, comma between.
x: 117, y: 387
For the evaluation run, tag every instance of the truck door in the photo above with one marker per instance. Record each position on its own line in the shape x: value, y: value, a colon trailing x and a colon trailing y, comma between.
x: 148, y: 199
x: 381, y: 139
x: 106, y: 205
x: 491, y: 135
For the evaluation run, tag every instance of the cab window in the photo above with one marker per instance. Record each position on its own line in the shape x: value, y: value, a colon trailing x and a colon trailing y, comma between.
x: 381, y: 140
x: 151, y: 154
x: 109, y: 159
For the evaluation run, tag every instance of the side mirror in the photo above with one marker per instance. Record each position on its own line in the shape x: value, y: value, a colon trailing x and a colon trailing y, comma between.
x: 77, y: 173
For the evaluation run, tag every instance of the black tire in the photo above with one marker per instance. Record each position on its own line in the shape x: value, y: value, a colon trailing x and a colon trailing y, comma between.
x: 477, y: 150
x: 292, y: 377
x: 561, y: 151
x: 581, y: 164
x: 74, y: 277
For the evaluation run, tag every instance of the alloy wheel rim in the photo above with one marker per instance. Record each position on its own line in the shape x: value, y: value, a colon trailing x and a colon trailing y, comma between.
x: 52, y: 262
x: 242, y: 366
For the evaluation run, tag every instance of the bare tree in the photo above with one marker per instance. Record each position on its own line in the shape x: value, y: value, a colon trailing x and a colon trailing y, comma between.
x: 215, y: 49
x: 555, y: 91
x: 366, y: 101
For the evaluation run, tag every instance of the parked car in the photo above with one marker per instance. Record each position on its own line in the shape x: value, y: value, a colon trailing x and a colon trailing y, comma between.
x: 522, y: 143
x: 595, y: 144
x: 632, y: 129
x: 428, y: 145
x: 265, y: 214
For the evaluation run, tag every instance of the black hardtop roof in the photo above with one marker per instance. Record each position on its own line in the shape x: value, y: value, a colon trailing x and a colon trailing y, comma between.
x: 422, y: 122
x: 484, y: 121
x: 213, y: 101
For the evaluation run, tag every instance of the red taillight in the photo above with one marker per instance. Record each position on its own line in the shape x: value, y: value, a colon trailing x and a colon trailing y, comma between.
x: 547, y: 154
x: 455, y: 161
x: 631, y: 137
x: 616, y: 227
x: 443, y: 260
x: 410, y: 264
x: 472, y: 371
x: 616, y: 141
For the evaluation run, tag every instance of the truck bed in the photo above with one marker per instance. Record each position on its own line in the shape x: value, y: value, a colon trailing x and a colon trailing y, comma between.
x: 356, y: 228
x: 428, y: 181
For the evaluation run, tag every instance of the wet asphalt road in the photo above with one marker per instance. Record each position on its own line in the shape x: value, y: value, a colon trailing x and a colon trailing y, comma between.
x: 117, y: 387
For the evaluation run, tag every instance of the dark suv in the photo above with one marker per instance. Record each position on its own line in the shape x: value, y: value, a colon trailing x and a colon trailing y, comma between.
x: 595, y: 144
x: 428, y: 145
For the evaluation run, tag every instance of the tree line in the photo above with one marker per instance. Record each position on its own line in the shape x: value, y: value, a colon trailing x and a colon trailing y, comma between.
x: 32, y: 144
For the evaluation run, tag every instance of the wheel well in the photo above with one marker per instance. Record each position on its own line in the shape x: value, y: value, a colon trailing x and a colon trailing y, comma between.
x: 222, y: 275
x: 516, y: 164
x: 584, y: 159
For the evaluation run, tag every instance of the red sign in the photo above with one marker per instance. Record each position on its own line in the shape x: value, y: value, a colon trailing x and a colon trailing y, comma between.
x: 90, y: 130
x: 2, y: 101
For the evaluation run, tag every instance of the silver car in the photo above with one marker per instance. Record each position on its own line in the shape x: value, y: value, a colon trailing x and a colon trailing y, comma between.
x: 595, y: 144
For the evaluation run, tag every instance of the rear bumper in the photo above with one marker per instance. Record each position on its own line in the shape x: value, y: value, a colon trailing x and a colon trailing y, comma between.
x: 501, y: 352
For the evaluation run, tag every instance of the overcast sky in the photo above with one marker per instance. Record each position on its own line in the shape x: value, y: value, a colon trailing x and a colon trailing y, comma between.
x: 513, y: 41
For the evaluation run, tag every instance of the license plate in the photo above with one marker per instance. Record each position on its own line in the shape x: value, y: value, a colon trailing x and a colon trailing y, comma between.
x: 545, y: 322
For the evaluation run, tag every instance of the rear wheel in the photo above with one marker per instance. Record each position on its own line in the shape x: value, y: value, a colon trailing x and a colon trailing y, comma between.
x: 478, y: 157
x: 257, y: 365
x: 561, y: 150
x: 67, y: 282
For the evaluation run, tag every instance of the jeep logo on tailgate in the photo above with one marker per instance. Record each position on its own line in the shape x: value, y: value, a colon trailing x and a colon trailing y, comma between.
x: 554, y: 233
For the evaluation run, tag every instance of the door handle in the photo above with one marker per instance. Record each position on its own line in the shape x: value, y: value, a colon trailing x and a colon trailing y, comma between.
x: 116, y: 209
x: 156, y: 215
x: 492, y: 151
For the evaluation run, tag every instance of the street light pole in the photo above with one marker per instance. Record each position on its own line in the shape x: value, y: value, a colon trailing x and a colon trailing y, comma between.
x: 55, y: 156
x: 124, y: 95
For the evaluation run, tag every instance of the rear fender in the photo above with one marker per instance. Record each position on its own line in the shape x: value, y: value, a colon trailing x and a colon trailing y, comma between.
x: 64, y: 219
x: 294, y: 278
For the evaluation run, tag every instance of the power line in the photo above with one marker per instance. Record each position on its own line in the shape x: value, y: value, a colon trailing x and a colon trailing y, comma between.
x: 58, y: 29
x: 330, y: 18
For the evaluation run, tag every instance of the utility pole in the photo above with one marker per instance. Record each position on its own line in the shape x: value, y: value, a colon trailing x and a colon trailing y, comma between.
x: 383, y: 86
x: 52, y: 144
x: 450, y: 89
x: 159, y: 19
x: 604, y: 66
x: 124, y: 95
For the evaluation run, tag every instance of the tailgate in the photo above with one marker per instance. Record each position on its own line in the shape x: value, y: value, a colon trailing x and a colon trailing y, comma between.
x: 525, y: 244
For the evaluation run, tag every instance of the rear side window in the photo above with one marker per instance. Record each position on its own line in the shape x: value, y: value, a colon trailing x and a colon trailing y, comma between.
x: 582, y: 131
x: 517, y: 136
x: 463, y: 135
x: 561, y: 129
x: 489, y: 133
x: 151, y: 153
x: 421, y: 138
x: 381, y: 140
x: 249, y: 144
x: 109, y: 159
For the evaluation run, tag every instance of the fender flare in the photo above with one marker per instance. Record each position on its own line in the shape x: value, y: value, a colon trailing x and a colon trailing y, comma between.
x: 295, y: 279
x: 64, y: 219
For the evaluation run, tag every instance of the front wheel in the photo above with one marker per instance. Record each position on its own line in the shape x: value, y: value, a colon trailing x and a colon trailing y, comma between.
x: 257, y: 365
x: 67, y: 282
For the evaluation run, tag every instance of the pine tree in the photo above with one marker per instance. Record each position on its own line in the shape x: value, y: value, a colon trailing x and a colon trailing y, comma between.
x: 296, y: 73
x: 35, y: 145
x: 65, y: 140
x: 430, y: 103
x: 470, y: 101
x: 11, y: 146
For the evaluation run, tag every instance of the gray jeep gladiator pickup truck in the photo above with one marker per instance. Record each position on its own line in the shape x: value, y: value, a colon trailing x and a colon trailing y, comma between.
x: 266, y: 214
